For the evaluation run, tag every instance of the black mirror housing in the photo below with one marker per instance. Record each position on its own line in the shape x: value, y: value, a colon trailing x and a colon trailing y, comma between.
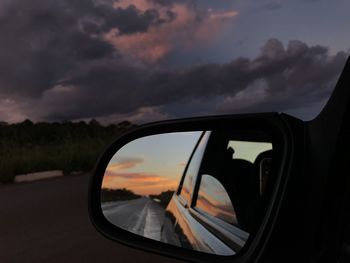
x: 286, y: 136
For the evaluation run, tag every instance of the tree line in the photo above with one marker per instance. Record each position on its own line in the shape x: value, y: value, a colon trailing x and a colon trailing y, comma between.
x: 29, y: 147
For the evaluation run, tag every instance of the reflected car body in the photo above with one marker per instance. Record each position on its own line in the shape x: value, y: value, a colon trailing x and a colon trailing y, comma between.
x: 196, y: 231
x: 195, y: 220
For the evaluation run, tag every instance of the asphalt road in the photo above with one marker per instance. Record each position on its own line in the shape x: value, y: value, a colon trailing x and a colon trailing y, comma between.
x: 47, y: 221
x: 141, y: 216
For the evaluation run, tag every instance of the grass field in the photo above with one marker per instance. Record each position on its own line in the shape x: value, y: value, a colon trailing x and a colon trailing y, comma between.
x: 27, y: 147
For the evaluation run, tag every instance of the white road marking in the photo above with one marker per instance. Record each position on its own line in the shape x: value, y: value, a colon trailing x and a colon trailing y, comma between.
x: 137, y: 229
x: 153, y: 224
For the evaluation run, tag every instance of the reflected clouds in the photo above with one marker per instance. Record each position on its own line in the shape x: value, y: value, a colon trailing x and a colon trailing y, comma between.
x: 140, y: 183
x: 214, y: 200
x: 124, y: 163
x: 182, y: 26
x: 119, y: 175
x: 152, y: 164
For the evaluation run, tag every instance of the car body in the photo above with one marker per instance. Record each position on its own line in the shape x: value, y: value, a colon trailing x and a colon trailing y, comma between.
x: 202, y: 220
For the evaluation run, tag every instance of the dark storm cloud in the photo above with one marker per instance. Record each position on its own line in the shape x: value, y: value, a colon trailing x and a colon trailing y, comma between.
x: 56, y: 64
x: 265, y: 6
x: 272, y: 6
x: 278, y: 79
x: 43, y: 41
x: 128, y: 20
x: 291, y: 78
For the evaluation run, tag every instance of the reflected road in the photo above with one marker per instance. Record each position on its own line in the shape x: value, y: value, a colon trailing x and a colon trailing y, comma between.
x: 141, y: 216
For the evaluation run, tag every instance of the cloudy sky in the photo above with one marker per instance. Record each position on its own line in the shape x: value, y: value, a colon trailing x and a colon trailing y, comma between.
x: 146, y: 172
x: 147, y: 60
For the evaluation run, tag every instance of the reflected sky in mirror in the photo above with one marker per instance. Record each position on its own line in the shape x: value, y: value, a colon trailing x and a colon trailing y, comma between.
x: 152, y: 164
x: 214, y: 200
x: 249, y: 150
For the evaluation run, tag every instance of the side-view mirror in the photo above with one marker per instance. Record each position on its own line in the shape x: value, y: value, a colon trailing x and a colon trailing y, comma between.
x: 198, y: 189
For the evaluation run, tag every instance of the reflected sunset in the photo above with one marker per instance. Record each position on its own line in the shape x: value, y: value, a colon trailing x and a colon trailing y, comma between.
x: 150, y: 165
x: 214, y: 200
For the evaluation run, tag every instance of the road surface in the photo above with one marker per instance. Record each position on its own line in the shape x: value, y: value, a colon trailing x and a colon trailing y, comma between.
x: 47, y: 221
x: 141, y: 216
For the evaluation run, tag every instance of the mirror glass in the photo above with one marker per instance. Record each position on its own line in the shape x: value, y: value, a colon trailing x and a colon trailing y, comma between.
x: 197, y: 190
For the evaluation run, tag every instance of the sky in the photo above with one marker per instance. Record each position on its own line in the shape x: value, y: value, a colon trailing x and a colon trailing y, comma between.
x: 147, y: 60
x: 152, y: 164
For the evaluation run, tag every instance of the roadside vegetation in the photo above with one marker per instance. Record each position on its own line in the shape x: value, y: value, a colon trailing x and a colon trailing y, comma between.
x: 164, y: 197
x: 109, y: 195
x: 29, y: 147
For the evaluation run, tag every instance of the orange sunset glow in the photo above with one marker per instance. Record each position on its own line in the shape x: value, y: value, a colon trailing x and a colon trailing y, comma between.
x: 150, y: 165
x: 140, y: 183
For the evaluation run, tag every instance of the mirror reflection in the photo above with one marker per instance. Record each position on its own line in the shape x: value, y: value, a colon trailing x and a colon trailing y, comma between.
x: 197, y: 190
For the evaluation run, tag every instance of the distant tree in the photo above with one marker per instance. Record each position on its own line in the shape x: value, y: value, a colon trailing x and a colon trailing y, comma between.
x: 27, y: 122
x: 67, y: 122
x: 3, y: 123
x: 123, y: 194
x: 28, y: 147
x: 94, y: 122
x: 124, y: 123
x: 82, y: 123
